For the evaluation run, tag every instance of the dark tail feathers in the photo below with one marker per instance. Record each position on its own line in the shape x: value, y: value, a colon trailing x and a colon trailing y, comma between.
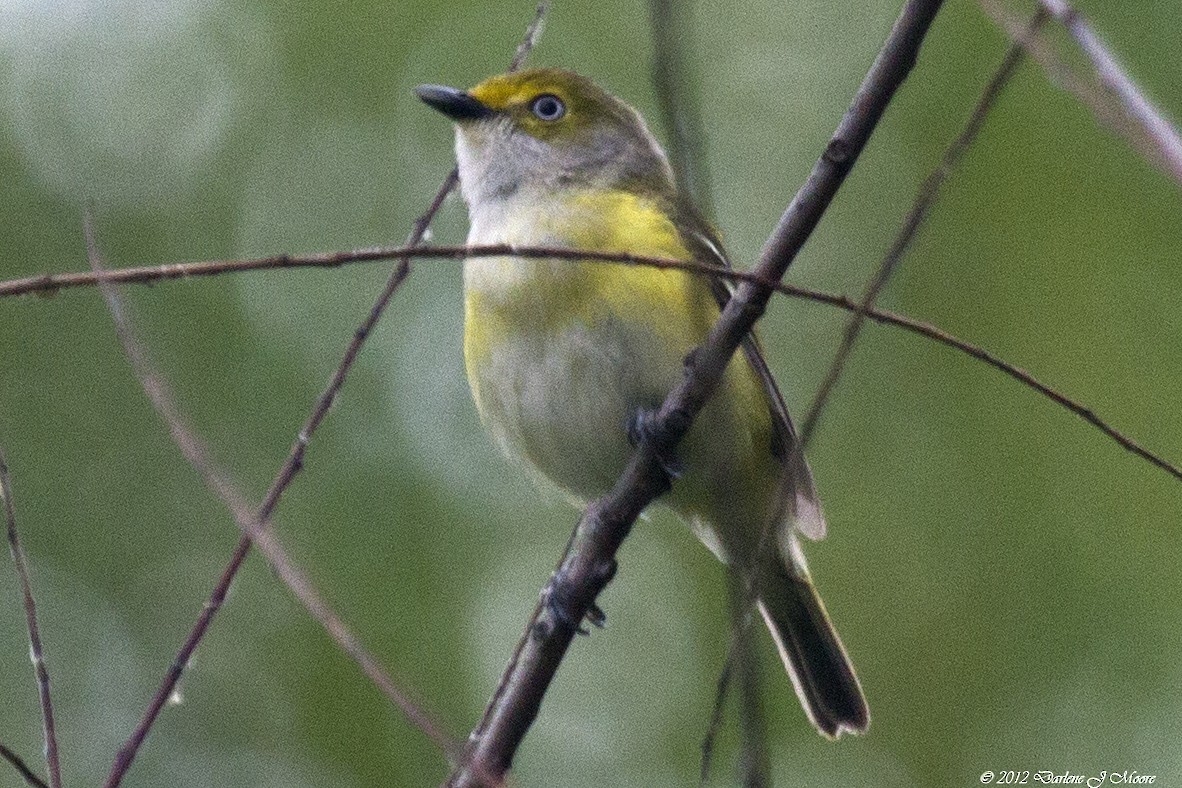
x: 812, y: 653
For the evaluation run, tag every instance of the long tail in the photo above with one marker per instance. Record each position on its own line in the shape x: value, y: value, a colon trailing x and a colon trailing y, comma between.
x: 812, y: 652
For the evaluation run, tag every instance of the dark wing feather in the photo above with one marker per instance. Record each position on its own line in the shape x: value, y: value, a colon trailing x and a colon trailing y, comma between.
x: 702, y: 242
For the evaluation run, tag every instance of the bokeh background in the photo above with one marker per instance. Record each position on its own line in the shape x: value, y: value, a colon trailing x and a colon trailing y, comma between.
x: 1005, y: 578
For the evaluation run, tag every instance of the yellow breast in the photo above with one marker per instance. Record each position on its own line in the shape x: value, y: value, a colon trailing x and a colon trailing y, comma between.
x: 506, y: 294
x: 561, y: 354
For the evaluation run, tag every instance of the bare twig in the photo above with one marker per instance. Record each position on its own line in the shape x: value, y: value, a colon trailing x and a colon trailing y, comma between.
x: 671, y: 25
x: 914, y: 220
x: 717, y: 712
x: 22, y: 768
x: 755, y: 769
x: 1017, y: 373
x: 50, y: 284
x: 1122, y: 106
x: 36, y: 650
x: 533, y: 32
x: 294, y: 461
x: 880, y: 316
x: 254, y: 528
x: 291, y: 467
x: 590, y: 563
x: 1163, y: 133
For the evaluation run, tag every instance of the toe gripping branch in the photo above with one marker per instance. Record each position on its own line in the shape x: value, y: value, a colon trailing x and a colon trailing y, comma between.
x: 645, y: 428
x: 561, y: 598
x: 570, y: 594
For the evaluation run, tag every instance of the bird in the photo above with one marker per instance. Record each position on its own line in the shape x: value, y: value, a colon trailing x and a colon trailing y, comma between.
x: 568, y: 360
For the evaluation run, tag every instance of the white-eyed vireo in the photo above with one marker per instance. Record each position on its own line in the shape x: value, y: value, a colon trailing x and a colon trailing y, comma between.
x: 566, y: 358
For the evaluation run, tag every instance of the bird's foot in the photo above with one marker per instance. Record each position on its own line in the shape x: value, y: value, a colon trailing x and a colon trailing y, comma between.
x: 644, y: 429
x: 564, y: 609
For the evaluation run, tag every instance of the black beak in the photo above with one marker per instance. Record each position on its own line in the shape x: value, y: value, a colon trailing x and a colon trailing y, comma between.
x: 453, y: 102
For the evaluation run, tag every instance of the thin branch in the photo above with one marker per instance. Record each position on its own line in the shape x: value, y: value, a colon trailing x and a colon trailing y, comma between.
x: 1017, y: 373
x: 880, y: 316
x: 739, y: 645
x: 717, y: 712
x: 1163, y: 133
x: 295, y: 457
x: 755, y: 769
x: 291, y: 468
x: 533, y: 32
x: 257, y: 529
x: 590, y: 563
x: 1122, y: 106
x: 915, y: 219
x: 50, y: 284
x: 671, y: 25
x: 22, y: 768
x: 36, y: 650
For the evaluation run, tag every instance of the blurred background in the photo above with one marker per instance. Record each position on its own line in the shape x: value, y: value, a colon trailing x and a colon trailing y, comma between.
x: 1004, y: 577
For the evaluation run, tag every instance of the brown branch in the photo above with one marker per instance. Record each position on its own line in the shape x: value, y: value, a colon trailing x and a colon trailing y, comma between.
x: 754, y: 767
x: 755, y: 770
x: 880, y: 316
x: 22, y: 768
x: 291, y: 467
x: 914, y: 220
x: 1017, y: 373
x: 36, y: 650
x: 671, y: 25
x: 1122, y: 106
x: 49, y: 284
x: 717, y: 712
x: 254, y: 528
x: 590, y: 563
x: 294, y: 461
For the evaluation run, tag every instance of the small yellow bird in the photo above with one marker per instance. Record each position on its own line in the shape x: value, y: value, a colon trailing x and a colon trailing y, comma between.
x: 566, y: 359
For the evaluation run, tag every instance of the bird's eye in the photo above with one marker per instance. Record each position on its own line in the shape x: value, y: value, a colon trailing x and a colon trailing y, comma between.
x: 548, y: 107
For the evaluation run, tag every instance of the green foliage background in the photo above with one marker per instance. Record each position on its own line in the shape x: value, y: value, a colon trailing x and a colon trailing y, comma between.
x: 1004, y: 577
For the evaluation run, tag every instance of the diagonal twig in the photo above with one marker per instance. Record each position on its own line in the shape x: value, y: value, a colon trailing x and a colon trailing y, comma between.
x: 291, y: 467
x: 36, y: 649
x: 914, y: 220
x: 193, y: 448
x: 1017, y: 373
x: 533, y: 31
x: 717, y: 711
x: 1160, y: 131
x: 294, y: 461
x: 28, y: 775
x: 590, y: 563
x: 755, y: 769
x: 671, y: 25
x: 1122, y: 106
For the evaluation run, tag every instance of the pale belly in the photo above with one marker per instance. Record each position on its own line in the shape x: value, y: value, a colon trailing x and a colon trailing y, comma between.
x: 559, y: 394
